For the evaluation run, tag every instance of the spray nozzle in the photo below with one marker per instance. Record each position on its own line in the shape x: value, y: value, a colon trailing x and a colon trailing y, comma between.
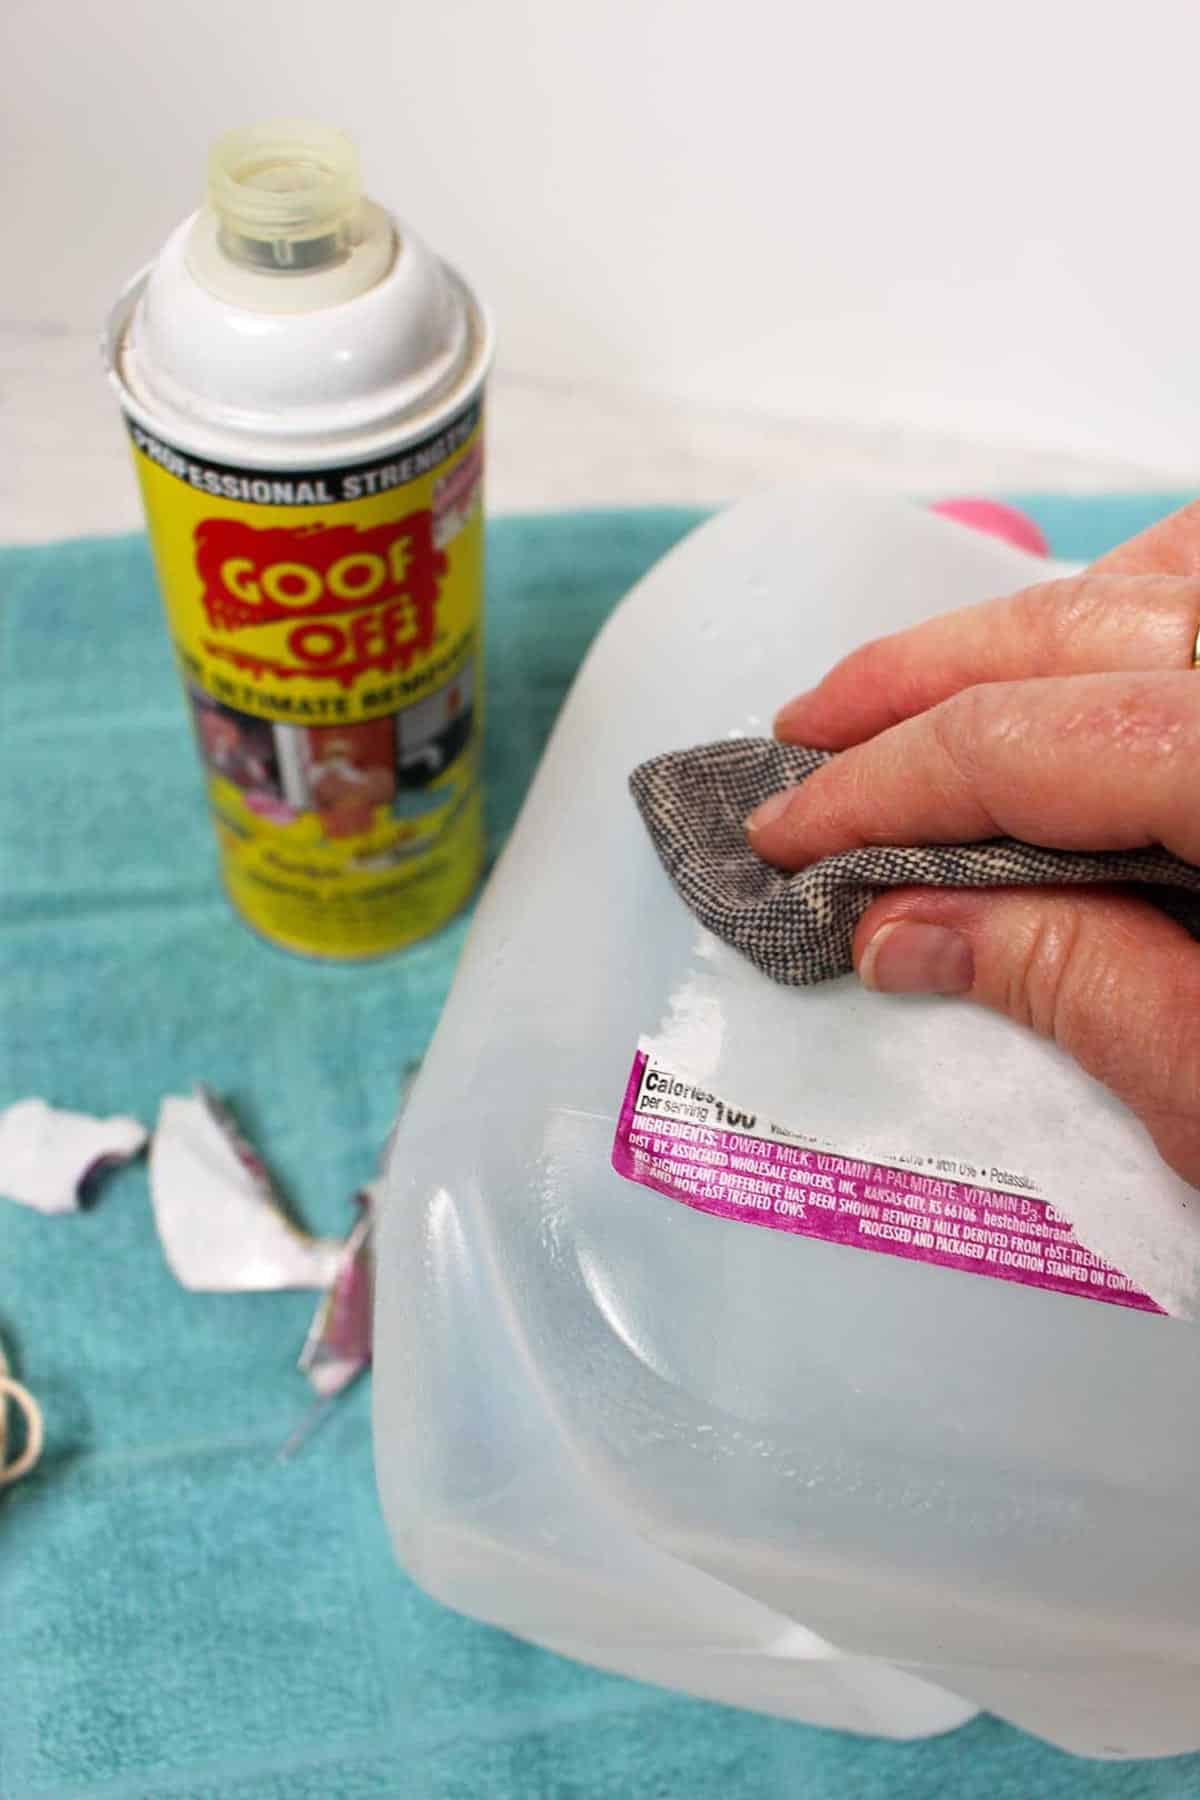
x: 287, y: 195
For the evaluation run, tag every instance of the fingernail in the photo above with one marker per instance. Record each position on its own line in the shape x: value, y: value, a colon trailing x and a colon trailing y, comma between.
x: 908, y: 958
x: 769, y: 811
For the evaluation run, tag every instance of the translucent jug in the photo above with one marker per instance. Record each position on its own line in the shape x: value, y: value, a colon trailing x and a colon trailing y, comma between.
x: 784, y: 1473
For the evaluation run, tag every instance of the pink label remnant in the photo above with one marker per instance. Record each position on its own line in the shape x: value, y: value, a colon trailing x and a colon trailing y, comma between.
x: 691, y: 1147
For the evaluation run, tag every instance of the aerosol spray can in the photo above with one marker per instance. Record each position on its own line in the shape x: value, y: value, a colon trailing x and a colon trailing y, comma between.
x: 302, y: 381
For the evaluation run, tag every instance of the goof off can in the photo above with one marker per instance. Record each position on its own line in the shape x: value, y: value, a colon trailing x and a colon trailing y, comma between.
x: 302, y: 381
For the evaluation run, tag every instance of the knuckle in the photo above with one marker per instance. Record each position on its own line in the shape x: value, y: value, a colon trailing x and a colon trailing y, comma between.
x: 1050, y: 613
x: 982, y: 739
x: 1042, y: 984
x: 1056, y: 621
x: 1069, y: 980
x: 1075, y: 621
x: 881, y: 667
x: 960, y: 727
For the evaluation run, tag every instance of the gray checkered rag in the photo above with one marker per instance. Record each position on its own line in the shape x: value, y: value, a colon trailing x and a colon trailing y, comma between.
x: 798, y: 928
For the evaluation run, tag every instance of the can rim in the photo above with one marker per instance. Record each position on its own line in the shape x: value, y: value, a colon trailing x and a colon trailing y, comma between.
x: 331, y: 450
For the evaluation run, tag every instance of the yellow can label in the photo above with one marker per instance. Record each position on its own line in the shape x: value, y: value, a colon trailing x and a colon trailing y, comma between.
x: 328, y: 629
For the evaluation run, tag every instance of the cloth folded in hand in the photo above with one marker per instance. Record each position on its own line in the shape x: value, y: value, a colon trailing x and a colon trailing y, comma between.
x: 798, y: 928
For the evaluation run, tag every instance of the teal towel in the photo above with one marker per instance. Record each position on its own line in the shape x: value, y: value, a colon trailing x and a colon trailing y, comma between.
x: 181, y: 1614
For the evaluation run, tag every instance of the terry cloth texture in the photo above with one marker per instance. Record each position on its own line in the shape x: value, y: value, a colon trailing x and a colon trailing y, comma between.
x: 182, y: 1615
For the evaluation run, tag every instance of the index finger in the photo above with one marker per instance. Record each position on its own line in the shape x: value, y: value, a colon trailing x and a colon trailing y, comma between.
x: 1090, y: 762
x: 1136, y: 608
x: 1087, y: 624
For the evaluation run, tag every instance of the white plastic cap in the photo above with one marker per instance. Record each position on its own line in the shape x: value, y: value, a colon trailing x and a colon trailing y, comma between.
x: 287, y: 195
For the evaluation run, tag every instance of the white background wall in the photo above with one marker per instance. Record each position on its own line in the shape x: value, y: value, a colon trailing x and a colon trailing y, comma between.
x: 981, y: 220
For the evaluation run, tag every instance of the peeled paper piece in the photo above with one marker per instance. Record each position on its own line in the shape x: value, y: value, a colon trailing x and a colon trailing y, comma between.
x: 53, y: 1160
x: 222, y: 1226
x: 338, y: 1346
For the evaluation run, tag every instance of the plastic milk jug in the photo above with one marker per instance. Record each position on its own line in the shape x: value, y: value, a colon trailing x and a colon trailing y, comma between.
x: 898, y: 1427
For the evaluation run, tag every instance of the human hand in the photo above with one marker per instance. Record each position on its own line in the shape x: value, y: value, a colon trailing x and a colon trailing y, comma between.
x: 1067, y: 715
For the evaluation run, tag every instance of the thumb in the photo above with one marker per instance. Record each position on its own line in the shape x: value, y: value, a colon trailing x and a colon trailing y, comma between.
x: 1109, y: 978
